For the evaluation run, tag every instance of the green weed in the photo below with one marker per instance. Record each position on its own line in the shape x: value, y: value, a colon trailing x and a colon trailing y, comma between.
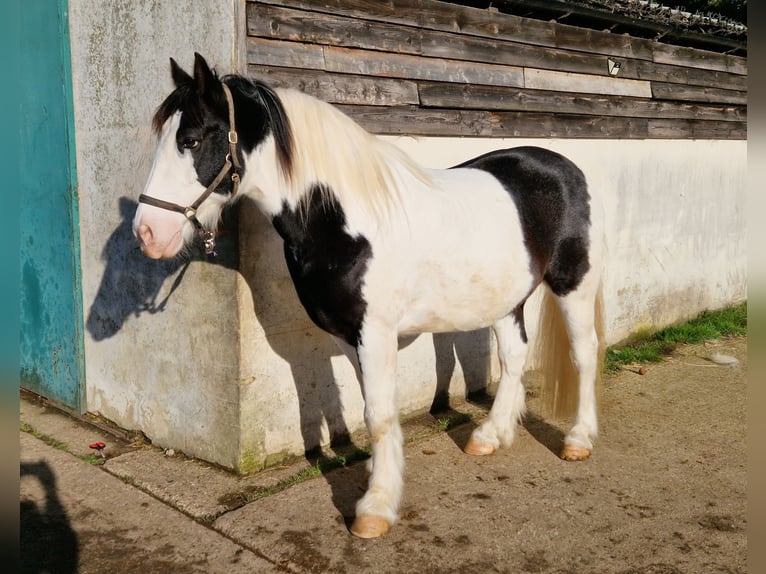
x: 50, y: 441
x: 449, y: 422
x: 653, y: 347
x: 93, y: 459
x: 321, y: 467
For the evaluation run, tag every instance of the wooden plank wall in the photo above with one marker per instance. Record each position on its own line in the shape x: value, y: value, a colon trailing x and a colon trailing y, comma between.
x: 423, y: 67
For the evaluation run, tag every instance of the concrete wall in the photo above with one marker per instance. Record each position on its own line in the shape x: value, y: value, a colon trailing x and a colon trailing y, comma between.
x: 219, y: 360
x: 169, y: 370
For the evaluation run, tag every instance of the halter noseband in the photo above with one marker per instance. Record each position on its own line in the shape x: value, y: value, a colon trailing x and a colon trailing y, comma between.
x: 231, y: 163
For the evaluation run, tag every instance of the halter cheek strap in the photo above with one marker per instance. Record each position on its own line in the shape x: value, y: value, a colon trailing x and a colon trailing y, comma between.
x: 231, y: 164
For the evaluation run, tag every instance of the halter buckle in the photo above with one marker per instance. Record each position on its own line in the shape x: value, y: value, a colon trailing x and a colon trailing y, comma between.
x: 233, y: 138
x: 190, y: 213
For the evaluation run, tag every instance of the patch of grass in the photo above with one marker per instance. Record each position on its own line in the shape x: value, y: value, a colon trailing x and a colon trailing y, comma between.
x: 446, y: 423
x: 653, y: 347
x: 322, y: 466
x: 93, y: 459
x: 637, y: 351
x: 50, y: 441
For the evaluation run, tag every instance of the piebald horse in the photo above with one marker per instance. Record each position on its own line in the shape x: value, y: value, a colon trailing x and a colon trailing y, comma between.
x: 379, y: 247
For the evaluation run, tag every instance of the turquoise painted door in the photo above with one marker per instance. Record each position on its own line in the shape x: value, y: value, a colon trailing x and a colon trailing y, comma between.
x: 51, y: 341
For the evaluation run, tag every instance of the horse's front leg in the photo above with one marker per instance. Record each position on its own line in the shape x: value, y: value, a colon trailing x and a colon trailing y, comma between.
x: 378, y: 509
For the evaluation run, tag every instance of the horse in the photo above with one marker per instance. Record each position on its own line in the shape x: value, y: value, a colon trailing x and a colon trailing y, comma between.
x: 379, y: 247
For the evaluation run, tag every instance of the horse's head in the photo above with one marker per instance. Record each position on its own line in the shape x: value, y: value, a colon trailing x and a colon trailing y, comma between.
x: 199, y: 160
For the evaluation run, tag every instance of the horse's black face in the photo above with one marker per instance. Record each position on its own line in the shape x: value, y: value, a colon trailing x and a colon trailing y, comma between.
x: 193, y: 123
x: 195, y: 127
x: 208, y: 143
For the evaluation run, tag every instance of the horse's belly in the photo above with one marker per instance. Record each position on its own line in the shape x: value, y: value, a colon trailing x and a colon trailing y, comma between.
x: 462, y: 301
x: 459, y: 263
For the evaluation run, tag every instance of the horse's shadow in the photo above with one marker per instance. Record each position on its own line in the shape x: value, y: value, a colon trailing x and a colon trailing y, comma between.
x: 544, y: 432
x: 131, y: 285
x: 131, y: 282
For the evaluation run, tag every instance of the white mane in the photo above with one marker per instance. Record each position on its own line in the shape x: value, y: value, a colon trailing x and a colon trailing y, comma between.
x: 332, y: 149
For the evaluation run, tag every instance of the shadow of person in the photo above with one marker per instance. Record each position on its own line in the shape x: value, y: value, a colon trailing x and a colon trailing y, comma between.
x: 47, y: 541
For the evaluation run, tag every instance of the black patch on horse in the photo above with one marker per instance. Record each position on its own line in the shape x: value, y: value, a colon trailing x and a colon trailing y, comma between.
x: 259, y: 113
x: 552, y: 199
x: 205, y: 117
x: 518, y: 318
x: 326, y: 263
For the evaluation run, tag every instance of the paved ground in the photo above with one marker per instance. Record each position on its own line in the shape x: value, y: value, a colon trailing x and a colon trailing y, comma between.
x: 663, y: 493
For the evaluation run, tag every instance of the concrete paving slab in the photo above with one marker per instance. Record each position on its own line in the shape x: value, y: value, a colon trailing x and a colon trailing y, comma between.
x: 664, y: 492
x: 71, y: 434
x: 194, y: 487
x: 199, y: 489
x: 77, y: 518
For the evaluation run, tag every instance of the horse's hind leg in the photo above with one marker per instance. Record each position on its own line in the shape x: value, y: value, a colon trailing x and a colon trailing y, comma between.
x: 579, y: 311
x: 378, y: 509
x: 499, y: 429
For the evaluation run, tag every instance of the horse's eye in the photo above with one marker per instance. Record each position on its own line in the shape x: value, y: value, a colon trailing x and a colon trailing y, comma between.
x: 190, y: 143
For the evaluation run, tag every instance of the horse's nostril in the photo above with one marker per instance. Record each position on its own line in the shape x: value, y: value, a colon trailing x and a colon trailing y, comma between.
x: 145, y: 234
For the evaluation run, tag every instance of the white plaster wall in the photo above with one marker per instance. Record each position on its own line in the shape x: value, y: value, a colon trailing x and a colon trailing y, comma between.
x: 170, y: 373
x: 676, y: 246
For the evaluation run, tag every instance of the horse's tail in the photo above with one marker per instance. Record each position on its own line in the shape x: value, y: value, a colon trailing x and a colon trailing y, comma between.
x: 560, y: 380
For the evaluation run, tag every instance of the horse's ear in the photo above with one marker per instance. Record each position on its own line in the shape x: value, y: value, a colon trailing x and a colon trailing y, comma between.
x: 180, y: 77
x: 204, y: 77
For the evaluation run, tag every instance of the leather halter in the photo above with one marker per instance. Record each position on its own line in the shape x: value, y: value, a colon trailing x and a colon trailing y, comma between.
x: 230, y: 164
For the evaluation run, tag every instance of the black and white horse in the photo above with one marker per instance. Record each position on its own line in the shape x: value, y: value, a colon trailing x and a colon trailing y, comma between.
x: 379, y: 247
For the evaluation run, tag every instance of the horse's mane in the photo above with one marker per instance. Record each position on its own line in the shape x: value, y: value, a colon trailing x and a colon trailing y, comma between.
x: 333, y: 150
x: 318, y: 148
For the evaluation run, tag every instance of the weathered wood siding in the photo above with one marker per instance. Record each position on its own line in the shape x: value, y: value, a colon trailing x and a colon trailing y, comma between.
x: 423, y: 67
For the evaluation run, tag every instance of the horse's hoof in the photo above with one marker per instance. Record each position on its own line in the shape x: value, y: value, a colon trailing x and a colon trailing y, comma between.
x: 573, y: 452
x: 369, y: 526
x: 478, y: 447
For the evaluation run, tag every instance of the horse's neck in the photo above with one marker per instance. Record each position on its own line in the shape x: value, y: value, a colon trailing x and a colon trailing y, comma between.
x: 263, y: 180
x: 330, y: 151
